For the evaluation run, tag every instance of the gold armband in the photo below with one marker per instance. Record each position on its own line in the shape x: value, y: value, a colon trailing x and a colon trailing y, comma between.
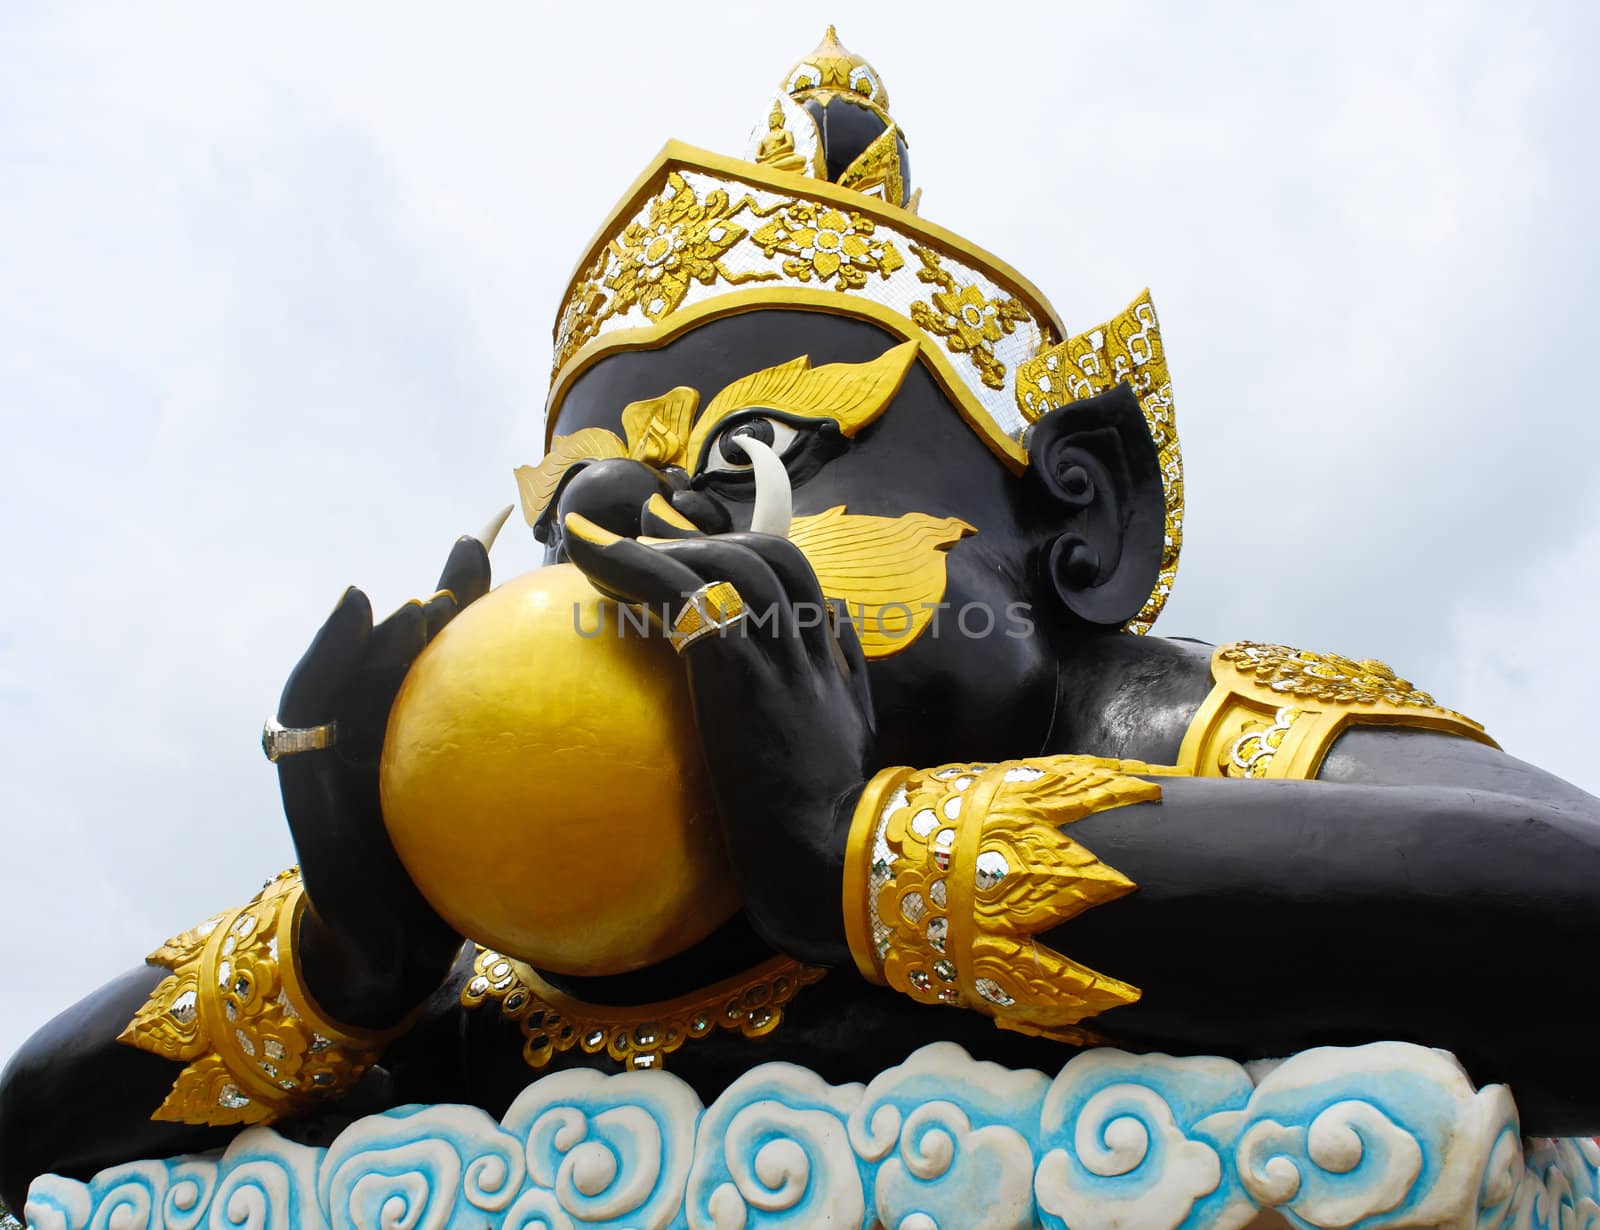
x: 236, y: 1009
x: 1274, y: 712
x: 951, y: 872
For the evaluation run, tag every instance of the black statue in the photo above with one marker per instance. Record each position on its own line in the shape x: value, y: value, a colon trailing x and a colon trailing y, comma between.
x: 1390, y: 892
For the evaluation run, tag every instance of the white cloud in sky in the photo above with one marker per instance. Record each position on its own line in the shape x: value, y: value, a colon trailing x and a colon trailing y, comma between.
x: 275, y: 297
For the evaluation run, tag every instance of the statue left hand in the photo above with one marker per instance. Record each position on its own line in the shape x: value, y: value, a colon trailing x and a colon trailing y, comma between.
x: 783, y: 711
x: 371, y: 946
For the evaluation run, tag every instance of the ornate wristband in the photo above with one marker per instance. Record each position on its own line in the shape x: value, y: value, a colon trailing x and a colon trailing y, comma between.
x: 237, y: 1011
x: 951, y: 872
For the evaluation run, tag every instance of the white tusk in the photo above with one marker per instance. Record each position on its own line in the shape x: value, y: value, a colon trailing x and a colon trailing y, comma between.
x: 490, y: 532
x: 774, y: 497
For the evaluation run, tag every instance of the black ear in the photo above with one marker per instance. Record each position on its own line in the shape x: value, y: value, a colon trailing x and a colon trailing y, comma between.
x: 1096, y: 466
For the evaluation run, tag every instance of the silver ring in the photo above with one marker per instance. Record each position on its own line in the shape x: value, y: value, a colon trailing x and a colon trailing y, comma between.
x: 278, y: 740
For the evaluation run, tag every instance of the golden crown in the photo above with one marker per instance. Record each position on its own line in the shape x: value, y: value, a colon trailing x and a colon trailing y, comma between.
x: 700, y: 236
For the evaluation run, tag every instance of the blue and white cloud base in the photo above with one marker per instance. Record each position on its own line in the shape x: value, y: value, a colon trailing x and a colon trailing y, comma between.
x: 1386, y: 1135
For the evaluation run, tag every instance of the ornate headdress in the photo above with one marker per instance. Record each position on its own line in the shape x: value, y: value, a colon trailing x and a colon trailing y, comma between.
x: 819, y: 215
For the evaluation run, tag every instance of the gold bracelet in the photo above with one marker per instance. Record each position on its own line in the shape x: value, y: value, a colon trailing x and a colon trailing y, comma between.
x: 237, y: 1011
x: 951, y: 872
x: 1275, y: 712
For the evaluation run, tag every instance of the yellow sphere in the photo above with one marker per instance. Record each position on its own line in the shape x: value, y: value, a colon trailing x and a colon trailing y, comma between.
x: 544, y: 787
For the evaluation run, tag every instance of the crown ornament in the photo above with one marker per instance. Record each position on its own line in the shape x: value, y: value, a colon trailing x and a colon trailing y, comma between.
x: 834, y: 69
x: 819, y: 215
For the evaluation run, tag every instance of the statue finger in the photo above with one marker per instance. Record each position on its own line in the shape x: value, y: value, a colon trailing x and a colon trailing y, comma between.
x: 851, y: 658
x: 437, y: 611
x: 675, y: 578
x: 790, y: 629
x: 395, y: 644
x: 659, y: 519
x: 799, y: 583
x: 310, y: 697
x: 400, y: 638
x: 625, y: 568
x: 466, y: 572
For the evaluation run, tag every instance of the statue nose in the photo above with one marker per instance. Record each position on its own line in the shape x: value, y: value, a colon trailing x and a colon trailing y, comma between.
x: 612, y: 494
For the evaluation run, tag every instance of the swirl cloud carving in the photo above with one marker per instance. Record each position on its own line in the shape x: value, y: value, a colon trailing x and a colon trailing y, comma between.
x: 1382, y: 1137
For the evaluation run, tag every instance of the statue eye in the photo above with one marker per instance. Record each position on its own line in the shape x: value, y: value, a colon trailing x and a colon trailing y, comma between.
x: 726, y: 457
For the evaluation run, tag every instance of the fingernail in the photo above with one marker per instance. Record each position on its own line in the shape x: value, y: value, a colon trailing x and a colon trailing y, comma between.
x: 585, y: 530
x: 667, y: 513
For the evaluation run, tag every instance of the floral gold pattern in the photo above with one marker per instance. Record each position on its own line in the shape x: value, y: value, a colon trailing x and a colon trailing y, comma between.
x: 641, y: 1036
x: 236, y: 1010
x: 969, y: 320
x: 1252, y: 752
x: 952, y: 872
x: 1273, y: 711
x: 681, y: 242
x: 828, y: 244
x: 1323, y: 676
x: 698, y: 226
x: 1126, y: 347
x: 586, y: 306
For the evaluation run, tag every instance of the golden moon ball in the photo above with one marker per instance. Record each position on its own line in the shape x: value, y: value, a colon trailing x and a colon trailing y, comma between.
x: 543, y: 785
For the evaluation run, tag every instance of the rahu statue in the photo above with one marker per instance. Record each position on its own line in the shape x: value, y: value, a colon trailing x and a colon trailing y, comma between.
x: 835, y: 725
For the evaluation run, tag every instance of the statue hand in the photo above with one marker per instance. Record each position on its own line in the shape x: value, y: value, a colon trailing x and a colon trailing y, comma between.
x: 371, y: 918
x: 352, y: 670
x: 783, y: 710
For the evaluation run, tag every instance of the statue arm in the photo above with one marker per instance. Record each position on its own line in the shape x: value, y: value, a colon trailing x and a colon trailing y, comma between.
x: 285, y: 1002
x: 1247, y: 918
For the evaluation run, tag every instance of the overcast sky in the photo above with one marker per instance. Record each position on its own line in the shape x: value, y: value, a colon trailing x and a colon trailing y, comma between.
x: 275, y: 297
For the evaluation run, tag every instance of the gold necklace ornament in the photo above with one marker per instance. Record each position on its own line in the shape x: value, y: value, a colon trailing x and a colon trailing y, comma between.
x: 636, y: 1036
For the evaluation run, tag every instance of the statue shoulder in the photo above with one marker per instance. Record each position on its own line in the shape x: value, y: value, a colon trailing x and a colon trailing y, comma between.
x: 1276, y: 711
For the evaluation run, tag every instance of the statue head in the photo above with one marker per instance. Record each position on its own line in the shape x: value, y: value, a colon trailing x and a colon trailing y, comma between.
x: 974, y: 483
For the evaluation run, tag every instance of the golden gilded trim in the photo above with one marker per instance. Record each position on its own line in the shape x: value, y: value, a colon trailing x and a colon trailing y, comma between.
x: 828, y: 244
x: 950, y: 874
x: 832, y: 68
x: 970, y: 321
x: 237, y: 1011
x: 586, y: 301
x: 890, y: 572
x: 1273, y: 711
x: 537, y: 485
x: 663, y: 431
x: 658, y: 429
x: 878, y: 170
x: 636, y: 1036
x: 851, y: 395
x: 683, y: 241
x: 652, y: 337
x: 1126, y: 347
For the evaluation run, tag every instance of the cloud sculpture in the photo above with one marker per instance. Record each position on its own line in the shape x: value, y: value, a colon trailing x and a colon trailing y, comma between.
x: 614, y: 1152
x: 1121, y: 1145
x: 773, y: 1151
x: 1388, y: 1136
x: 433, y: 1168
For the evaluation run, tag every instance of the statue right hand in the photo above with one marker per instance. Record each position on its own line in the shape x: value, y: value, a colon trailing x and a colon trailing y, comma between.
x: 375, y: 946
